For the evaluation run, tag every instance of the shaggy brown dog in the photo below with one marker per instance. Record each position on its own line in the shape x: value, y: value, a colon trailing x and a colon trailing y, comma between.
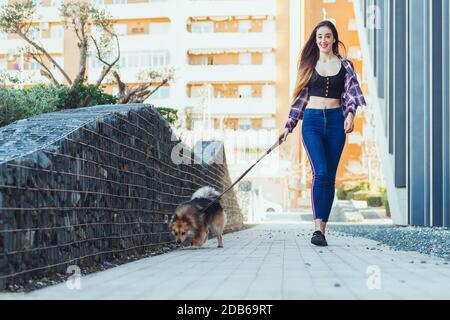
x: 188, y: 222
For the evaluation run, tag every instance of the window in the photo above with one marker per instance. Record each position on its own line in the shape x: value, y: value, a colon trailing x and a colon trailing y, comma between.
x: 245, y: 91
x: 56, y: 3
x: 57, y: 32
x: 98, y: 2
x: 269, y: 26
x: 268, y: 123
x: 144, y: 59
x: 96, y: 31
x: 161, y: 93
x: 268, y: 58
x: 245, y: 26
x: 60, y: 61
x: 120, y: 29
x: 34, y: 65
x: 245, y: 58
x: 159, y: 27
x: 119, y: 1
x: 202, y: 27
x: 199, y: 60
x: 197, y: 91
x: 35, y: 33
x: 244, y: 124
x: 3, y: 64
x: 268, y: 91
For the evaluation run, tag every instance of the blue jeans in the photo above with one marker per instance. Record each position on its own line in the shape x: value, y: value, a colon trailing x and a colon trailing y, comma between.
x: 323, y: 136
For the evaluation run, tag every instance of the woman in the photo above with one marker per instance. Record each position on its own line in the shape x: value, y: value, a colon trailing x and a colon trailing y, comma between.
x: 328, y: 85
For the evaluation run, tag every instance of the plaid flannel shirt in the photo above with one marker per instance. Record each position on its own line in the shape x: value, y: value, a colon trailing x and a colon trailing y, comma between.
x: 351, y: 97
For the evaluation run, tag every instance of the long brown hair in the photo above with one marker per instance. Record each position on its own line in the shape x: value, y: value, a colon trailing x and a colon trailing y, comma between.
x: 310, y: 55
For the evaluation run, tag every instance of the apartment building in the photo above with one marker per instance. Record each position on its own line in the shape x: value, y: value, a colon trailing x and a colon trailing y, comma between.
x: 232, y: 64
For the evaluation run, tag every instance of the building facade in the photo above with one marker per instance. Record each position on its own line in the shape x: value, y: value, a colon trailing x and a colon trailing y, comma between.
x: 406, y: 50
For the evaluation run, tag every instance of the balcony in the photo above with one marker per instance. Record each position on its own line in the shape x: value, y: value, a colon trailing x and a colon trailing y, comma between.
x: 127, y: 75
x: 141, y: 10
x: 145, y: 42
x: 227, y: 40
x: 12, y: 45
x: 47, y: 14
x: 231, y: 73
x: 236, y: 107
x: 231, y: 8
x: 33, y: 76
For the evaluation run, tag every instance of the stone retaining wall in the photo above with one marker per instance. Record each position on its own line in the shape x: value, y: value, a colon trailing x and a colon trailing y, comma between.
x: 86, y: 186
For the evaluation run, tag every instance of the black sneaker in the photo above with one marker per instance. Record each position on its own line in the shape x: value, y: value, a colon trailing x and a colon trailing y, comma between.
x: 319, y: 239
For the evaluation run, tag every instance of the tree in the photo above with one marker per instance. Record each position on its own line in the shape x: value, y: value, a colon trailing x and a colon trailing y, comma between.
x: 139, y: 93
x: 83, y: 19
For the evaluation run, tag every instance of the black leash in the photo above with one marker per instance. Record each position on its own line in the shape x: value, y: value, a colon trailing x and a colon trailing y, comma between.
x: 276, y: 144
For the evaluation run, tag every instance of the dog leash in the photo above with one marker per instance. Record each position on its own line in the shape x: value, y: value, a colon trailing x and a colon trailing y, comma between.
x: 276, y: 144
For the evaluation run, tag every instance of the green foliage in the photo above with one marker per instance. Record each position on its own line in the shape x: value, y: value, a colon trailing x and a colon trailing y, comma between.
x: 343, y: 194
x: 340, y: 193
x: 170, y: 114
x: 16, y: 104
x: 361, y: 195
x: 97, y: 94
x: 374, y: 201
x: 384, y: 200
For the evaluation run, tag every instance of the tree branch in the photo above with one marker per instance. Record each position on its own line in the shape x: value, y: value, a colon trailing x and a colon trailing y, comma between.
x: 44, y: 52
x: 46, y: 72
x: 145, y: 97
x: 109, y: 66
x: 120, y: 84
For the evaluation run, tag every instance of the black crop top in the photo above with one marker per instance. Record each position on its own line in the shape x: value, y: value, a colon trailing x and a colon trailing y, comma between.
x: 327, y: 87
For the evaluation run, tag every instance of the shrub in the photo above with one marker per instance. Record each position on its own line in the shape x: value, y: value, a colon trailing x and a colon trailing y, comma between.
x: 374, y: 201
x: 16, y: 104
x: 364, y: 185
x: 360, y: 195
x: 385, y: 201
x: 98, y: 96
x: 170, y: 114
x: 386, y: 206
x: 343, y: 193
x: 340, y: 193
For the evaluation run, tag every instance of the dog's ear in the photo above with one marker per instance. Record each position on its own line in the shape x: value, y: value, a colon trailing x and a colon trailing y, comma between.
x: 173, y: 219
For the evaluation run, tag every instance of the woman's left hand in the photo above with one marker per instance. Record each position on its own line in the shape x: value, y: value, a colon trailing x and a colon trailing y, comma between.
x: 348, y: 124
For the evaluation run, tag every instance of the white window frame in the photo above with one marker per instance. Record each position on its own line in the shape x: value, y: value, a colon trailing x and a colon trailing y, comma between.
x: 159, y: 27
x: 202, y: 27
x: 120, y: 29
x: 244, y: 26
x: 245, y: 91
x: 57, y: 30
x: 245, y: 58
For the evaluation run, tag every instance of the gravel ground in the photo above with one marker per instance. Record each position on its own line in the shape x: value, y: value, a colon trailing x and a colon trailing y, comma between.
x: 428, y: 240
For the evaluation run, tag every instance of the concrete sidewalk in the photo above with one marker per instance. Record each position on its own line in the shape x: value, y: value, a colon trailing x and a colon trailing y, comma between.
x: 268, y: 261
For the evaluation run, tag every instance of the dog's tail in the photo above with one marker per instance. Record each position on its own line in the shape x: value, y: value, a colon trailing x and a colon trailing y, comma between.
x: 206, y: 192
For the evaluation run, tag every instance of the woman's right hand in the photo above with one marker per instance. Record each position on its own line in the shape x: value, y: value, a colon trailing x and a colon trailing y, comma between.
x: 283, y: 135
